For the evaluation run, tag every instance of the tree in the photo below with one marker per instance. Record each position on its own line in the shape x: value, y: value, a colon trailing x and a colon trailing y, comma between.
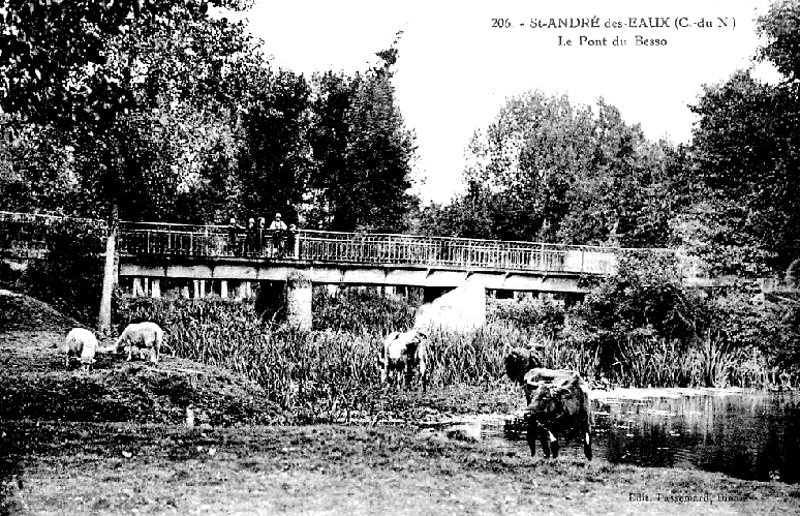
x: 34, y: 172
x: 362, y: 149
x: 549, y: 171
x: 275, y: 162
x: 780, y: 28
x: 745, y: 152
x: 114, y: 79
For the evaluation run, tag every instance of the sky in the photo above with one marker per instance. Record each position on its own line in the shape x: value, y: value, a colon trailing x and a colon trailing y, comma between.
x: 456, y: 70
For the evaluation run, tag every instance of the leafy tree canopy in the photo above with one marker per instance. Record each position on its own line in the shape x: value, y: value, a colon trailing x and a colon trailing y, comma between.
x: 363, y: 151
x: 745, y: 152
x: 551, y: 171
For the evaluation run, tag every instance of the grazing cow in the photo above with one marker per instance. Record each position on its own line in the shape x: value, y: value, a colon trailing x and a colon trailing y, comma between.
x: 81, y: 343
x: 145, y: 335
x: 559, y: 403
x: 404, y: 352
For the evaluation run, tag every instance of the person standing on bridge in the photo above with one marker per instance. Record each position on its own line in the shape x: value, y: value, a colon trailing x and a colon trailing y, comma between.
x: 278, y: 228
x: 262, y: 226
x: 250, y: 237
x: 291, y: 240
x: 233, y: 236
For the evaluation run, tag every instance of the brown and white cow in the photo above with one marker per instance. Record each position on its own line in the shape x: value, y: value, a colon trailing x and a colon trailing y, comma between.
x: 80, y: 343
x: 558, y: 402
x: 145, y: 335
x: 402, y: 353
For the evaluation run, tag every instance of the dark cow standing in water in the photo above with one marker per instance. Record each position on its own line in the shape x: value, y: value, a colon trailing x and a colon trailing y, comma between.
x: 558, y: 403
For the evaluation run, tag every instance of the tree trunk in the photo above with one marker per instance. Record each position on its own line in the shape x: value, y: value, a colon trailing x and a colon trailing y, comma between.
x: 109, y: 274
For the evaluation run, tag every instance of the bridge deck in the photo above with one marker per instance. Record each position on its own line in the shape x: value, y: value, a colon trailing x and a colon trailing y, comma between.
x: 157, y: 241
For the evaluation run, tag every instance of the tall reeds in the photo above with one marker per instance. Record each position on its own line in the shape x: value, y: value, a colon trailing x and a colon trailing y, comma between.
x: 332, y: 373
x: 318, y: 372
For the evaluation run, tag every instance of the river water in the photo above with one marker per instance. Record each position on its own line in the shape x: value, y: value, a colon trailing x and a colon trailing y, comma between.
x: 746, y: 435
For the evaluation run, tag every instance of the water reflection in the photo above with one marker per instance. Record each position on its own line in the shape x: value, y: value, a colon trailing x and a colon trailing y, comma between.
x: 750, y: 436
x: 754, y: 436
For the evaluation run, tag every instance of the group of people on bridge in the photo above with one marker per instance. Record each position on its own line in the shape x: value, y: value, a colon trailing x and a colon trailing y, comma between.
x: 254, y: 239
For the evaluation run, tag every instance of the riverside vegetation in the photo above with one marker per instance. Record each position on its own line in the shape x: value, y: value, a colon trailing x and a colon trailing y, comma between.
x: 637, y: 329
x: 113, y: 439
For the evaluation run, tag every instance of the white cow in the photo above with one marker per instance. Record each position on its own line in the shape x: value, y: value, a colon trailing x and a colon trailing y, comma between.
x: 404, y: 352
x: 145, y: 335
x: 81, y: 343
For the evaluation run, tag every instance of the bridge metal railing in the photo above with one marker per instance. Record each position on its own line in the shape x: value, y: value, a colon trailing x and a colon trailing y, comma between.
x: 30, y: 235
x: 216, y: 241
x: 142, y: 239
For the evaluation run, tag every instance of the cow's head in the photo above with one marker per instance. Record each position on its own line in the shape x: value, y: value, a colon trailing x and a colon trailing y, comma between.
x: 107, y: 345
x: 516, y: 363
x: 119, y: 346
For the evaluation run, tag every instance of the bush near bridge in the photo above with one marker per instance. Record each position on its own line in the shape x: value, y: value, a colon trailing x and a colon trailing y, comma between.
x: 70, y: 275
x: 642, y: 328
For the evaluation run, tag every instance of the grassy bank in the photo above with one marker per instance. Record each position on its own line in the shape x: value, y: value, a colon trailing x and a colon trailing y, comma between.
x: 113, y: 441
x: 122, y: 469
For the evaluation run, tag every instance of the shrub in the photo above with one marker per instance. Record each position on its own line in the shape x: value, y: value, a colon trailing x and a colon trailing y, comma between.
x: 645, y: 329
x: 543, y: 316
x: 70, y: 276
x: 362, y: 312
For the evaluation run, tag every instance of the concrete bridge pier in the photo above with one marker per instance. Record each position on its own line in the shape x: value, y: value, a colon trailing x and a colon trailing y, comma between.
x: 236, y: 291
x: 462, y: 308
x: 199, y: 288
x: 146, y: 287
x: 298, y: 300
x: 288, y: 301
x: 239, y: 290
x: 138, y: 289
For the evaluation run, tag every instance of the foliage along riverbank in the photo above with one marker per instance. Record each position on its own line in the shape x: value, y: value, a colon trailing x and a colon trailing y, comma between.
x: 632, y: 331
x: 56, y: 464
